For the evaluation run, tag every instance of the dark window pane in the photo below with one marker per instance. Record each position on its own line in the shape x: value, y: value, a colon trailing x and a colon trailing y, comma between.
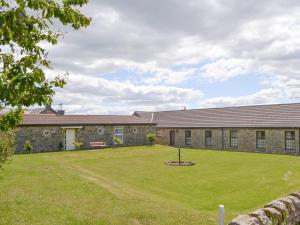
x: 208, y: 137
x: 233, y: 139
x: 260, y: 139
x: 208, y: 134
x: 233, y: 134
x: 260, y: 134
x: 188, y: 137
x: 188, y: 133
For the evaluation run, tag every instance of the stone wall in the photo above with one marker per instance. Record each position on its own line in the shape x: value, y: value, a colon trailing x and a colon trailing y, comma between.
x: 275, y: 139
x: 283, y: 211
x: 39, y: 141
x: 50, y: 141
x: 90, y: 134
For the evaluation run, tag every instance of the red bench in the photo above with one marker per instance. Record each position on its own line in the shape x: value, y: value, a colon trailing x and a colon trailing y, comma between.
x: 98, y: 144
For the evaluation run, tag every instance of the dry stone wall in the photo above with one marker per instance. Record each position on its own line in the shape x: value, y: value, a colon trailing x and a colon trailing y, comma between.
x: 283, y: 211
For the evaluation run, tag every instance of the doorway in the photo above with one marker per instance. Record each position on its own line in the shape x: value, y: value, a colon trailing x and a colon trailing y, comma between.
x: 70, y: 139
x: 172, y: 137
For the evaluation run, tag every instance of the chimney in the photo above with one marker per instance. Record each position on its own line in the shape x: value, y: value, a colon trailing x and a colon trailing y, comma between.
x: 48, y: 107
x: 60, y: 111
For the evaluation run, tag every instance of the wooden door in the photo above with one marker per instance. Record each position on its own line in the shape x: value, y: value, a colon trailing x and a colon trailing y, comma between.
x: 172, y: 137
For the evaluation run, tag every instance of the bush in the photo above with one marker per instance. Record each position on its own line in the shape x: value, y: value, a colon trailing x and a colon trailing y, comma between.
x: 117, y: 141
x: 6, y: 146
x: 151, y: 138
x: 28, y: 147
x: 60, y: 146
x: 77, y: 145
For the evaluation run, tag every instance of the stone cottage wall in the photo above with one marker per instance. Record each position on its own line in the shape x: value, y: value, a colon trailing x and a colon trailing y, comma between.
x: 275, y: 139
x: 86, y: 134
x: 39, y: 141
x: 285, y: 211
x: 91, y: 134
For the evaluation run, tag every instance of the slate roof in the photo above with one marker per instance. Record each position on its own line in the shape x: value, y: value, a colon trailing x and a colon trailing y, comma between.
x: 264, y: 116
x: 79, y: 120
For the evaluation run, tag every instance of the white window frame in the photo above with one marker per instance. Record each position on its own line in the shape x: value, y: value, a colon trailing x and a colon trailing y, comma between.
x: 233, y: 139
x: 290, y: 140
x: 102, y: 130
x: 261, y: 140
x: 158, y: 133
x: 208, y: 138
x: 188, y: 137
x: 46, y: 133
x: 118, y: 133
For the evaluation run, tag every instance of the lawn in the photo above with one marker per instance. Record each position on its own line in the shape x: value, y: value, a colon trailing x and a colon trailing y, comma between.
x: 133, y: 186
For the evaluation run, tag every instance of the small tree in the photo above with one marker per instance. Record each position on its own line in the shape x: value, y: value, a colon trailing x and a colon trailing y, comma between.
x: 26, y: 26
x: 151, y: 138
x: 117, y: 141
x: 28, y: 147
x: 78, y: 145
x: 6, y: 146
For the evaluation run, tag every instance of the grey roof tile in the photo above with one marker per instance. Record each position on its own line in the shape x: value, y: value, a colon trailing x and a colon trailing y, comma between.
x: 280, y: 115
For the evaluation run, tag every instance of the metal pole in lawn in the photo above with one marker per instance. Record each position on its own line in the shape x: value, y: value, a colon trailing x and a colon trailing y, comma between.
x: 221, y: 214
x: 179, y: 155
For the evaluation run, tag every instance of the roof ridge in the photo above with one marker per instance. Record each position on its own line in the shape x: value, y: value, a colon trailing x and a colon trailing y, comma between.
x: 223, y: 107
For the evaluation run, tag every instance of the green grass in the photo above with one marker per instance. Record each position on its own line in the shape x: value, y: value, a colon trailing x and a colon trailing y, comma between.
x: 133, y: 186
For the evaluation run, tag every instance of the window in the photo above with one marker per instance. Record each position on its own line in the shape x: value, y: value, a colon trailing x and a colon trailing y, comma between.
x: 158, y: 133
x: 46, y: 133
x: 100, y: 131
x: 233, y: 139
x: 290, y: 142
x: 119, y: 134
x: 208, y: 138
x: 135, y: 130
x: 188, y: 137
x: 260, y: 139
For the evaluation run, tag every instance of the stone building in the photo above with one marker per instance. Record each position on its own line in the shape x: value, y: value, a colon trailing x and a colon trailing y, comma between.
x: 263, y: 128
x: 48, y: 130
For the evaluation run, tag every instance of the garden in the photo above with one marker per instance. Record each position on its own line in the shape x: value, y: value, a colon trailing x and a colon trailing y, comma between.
x: 134, y: 185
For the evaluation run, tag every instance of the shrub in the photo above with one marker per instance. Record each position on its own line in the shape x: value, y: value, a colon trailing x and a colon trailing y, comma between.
x: 117, y: 141
x: 151, y: 138
x: 77, y: 145
x: 6, y: 146
x: 28, y: 147
x: 60, y: 146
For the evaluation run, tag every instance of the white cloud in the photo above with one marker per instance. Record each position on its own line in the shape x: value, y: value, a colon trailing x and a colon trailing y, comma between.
x: 169, y: 76
x: 223, y: 69
x: 261, y: 97
x: 85, y: 94
x: 170, y: 42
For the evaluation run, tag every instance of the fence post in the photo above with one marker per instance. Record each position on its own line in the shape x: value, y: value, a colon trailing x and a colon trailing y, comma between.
x: 221, y: 214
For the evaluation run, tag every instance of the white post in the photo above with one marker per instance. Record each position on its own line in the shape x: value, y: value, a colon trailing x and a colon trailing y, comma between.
x: 221, y: 214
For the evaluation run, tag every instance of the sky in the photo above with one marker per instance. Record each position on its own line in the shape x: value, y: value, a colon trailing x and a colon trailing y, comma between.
x: 166, y: 55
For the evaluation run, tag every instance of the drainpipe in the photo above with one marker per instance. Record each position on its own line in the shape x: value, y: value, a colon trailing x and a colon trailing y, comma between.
x: 152, y: 117
x: 222, y: 138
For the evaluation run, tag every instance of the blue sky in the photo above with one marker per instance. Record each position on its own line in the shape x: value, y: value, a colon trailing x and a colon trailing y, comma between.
x: 160, y: 55
x: 237, y: 86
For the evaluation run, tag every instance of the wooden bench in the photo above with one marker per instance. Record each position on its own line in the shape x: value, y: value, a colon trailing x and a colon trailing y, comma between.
x: 98, y: 144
